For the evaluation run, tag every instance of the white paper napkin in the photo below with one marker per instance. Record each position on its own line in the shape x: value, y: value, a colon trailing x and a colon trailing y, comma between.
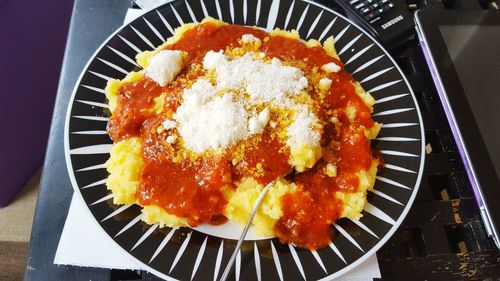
x: 84, y: 243
x: 147, y: 5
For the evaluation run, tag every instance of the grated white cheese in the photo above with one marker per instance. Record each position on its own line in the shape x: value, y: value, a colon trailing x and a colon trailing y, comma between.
x: 257, y: 123
x: 210, y: 122
x: 331, y: 67
x: 325, y: 84
x: 264, y: 82
x: 212, y: 59
x: 164, y: 66
x: 199, y: 93
x: 169, y: 124
x: 301, y: 131
x: 171, y: 139
x: 330, y: 170
x: 249, y: 38
x: 213, y: 117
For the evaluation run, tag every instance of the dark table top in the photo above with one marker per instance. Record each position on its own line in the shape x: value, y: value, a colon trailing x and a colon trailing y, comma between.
x: 442, y: 237
x: 91, y: 23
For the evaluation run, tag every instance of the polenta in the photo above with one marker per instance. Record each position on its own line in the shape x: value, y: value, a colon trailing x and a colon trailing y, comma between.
x: 219, y: 111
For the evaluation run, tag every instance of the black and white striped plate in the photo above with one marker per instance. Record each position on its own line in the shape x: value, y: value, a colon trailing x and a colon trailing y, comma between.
x: 195, y: 255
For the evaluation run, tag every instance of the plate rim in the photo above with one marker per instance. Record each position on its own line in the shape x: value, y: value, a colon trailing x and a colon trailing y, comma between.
x: 336, y: 274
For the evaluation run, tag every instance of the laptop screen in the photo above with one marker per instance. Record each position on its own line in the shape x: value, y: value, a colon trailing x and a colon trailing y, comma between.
x: 475, y: 53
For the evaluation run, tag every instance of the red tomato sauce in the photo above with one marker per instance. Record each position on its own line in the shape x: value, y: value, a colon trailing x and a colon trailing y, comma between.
x: 208, y: 37
x: 309, y: 213
x: 193, y: 189
x: 286, y: 48
x: 271, y: 155
x: 134, y: 101
x: 187, y: 190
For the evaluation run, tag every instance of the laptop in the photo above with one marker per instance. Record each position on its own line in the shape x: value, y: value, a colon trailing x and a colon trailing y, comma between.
x: 462, y: 49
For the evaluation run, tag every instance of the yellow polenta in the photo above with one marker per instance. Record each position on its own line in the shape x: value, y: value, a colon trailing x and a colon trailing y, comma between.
x: 125, y: 163
x: 242, y: 200
x: 124, y: 167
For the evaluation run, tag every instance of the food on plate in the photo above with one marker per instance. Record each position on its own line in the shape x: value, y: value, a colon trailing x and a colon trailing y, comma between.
x: 219, y: 111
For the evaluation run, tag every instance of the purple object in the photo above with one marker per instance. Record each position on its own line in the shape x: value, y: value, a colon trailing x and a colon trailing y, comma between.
x: 32, y: 41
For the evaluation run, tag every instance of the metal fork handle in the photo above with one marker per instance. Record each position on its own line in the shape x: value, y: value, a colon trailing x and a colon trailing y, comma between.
x: 229, y: 265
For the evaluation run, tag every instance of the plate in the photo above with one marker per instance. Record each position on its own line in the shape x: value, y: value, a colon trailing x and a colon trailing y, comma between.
x: 193, y: 254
